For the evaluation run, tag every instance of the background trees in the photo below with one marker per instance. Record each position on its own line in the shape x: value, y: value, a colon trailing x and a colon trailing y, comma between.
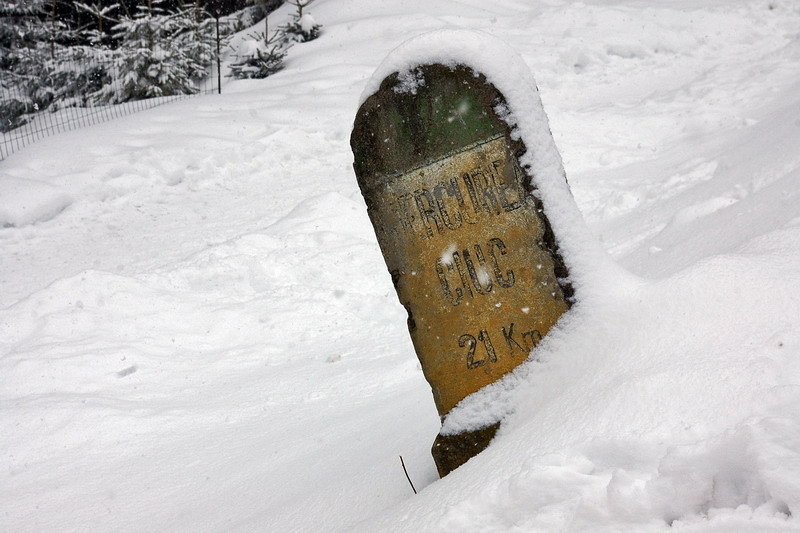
x: 59, y: 53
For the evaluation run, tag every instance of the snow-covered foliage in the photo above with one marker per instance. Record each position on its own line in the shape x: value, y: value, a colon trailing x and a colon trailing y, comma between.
x: 72, y: 76
x: 259, y: 57
x: 160, y: 54
x: 26, y: 45
x: 22, y: 25
x: 51, y: 77
x: 198, y: 332
x: 103, y: 14
x: 153, y: 53
x: 302, y: 28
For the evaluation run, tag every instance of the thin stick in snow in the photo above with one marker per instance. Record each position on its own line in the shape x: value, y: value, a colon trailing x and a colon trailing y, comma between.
x: 407, y: 476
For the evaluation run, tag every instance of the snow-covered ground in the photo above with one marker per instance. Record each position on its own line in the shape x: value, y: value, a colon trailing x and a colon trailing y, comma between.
x: 198, y: 333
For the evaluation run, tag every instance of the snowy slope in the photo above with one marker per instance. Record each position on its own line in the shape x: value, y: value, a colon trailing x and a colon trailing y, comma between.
x: 197, y: 332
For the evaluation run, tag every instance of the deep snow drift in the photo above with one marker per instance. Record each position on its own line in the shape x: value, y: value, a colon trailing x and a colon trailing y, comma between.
x: 197, y: 332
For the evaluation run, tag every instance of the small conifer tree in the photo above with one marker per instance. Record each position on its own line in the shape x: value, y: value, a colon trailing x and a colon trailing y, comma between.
x: 160, y: 54
x: 264, y: 55
x: 261, y: 61
x: 302, y: 28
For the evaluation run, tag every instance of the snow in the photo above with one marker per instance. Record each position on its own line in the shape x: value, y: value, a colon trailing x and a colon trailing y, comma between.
x: 307, y: 22
x: 250, y: 48
x: 27, y: 201
x: 198, y: 332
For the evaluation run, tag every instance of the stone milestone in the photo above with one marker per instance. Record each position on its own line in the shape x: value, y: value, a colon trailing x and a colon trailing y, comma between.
x: 470, y: 251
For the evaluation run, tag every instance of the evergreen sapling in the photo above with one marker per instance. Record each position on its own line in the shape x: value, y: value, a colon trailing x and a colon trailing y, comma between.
x: 261, y: 56
x: 302, y: 28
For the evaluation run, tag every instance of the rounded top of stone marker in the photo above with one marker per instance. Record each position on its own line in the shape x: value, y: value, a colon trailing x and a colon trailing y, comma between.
x: 480, y: 51
x: 424, y: 115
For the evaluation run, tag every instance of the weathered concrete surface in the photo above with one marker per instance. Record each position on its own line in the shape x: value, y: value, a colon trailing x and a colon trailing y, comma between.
x: 471, y: 254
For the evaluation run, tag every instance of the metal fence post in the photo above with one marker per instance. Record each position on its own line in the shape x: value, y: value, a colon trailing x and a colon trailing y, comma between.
x: 219, y: 64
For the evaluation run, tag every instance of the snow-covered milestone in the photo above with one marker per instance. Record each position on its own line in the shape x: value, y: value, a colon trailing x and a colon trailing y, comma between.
x: 462, y: 226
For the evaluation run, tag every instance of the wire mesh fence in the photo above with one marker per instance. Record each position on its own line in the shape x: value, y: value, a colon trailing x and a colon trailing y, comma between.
x: 46, y: 89
x: 24, y: 122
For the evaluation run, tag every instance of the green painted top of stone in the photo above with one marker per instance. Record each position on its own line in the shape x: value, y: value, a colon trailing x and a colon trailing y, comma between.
x: 445, y: 111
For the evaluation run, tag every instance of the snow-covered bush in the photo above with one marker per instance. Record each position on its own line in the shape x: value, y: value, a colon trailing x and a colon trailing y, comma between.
x: 302, y: 28
x: 160, y: 54
x: 45, y: 63
x: 51, y: 78
x: 77, y: 73
x: 22, y: 25
x: 19, y: 87
x: 198, y: 42
x: 36, y: 69
x: 259, y: 57
x: 23, y: 35
x: 103, y: 15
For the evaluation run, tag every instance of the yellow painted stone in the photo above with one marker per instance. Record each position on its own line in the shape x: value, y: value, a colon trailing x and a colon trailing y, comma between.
x: 471, y: 253
x: 462, y: 240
